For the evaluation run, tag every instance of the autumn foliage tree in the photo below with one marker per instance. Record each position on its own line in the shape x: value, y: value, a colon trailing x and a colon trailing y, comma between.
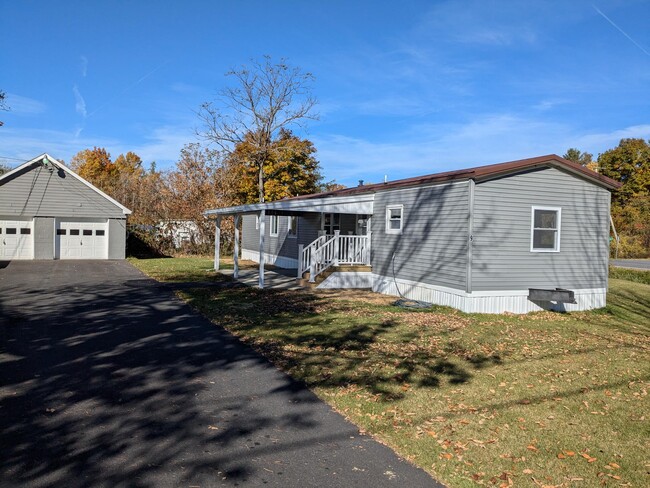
x: 290, y: 169
x: 201, y: 180
x: 629, y: 163
x: 265, y: 99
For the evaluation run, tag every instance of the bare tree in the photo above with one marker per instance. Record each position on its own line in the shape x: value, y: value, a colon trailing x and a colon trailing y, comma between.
x: 3, y: 104
x: 265, y: 98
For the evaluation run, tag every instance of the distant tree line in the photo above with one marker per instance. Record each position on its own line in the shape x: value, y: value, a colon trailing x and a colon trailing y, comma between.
x: 628, y: 163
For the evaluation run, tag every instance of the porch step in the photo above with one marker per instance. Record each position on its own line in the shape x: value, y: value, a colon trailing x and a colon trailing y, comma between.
x: 304, y: 281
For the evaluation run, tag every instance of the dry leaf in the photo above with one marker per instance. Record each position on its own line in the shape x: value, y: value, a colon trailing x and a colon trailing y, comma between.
x: 532, y: 448
x: 527, y: 471
x: 561, y: 456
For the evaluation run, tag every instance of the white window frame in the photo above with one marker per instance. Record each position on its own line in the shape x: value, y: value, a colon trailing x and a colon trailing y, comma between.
x: 257, y: 222
x: 274, y: 225
x: 292, y: 230
x: 388, y: 219
x: 558, y: 229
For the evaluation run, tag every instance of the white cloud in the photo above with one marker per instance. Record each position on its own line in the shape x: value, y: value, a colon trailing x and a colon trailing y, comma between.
x: 28, y: 143
x: 24, y: 105
x: 479, y: 22
x: 434, y: 148
x: 80, y: 103
x: 161, y: 144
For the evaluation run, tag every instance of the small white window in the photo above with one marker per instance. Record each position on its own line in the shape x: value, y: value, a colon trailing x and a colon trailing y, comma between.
x: 257, y: 222
x: 394, y: 219
x: 274, y: 225
x: 545, y: 229
x: 292, y: 226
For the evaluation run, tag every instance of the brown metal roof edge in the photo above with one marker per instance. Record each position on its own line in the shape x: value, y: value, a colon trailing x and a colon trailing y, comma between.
x: 491, y: 170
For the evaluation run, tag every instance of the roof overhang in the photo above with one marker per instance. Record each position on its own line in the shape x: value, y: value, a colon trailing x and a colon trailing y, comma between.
x: 45, y: 159
x: 357, y: 204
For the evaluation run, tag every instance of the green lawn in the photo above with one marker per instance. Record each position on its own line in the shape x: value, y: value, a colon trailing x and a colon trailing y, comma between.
x: 543, y: 399
x: 187, y: 269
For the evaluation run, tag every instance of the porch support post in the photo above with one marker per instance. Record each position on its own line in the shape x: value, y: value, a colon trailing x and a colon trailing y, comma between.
x: 217, y: 242
x: 235, y: 272
x: 312, y: 265
x: 337, y: 247
x: 301, y: 247
x: 369, y: 246
x: 262, y: 231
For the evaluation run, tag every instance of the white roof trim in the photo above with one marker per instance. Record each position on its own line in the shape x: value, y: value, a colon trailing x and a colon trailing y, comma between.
x: 125, y: 210
x: 361, y: 204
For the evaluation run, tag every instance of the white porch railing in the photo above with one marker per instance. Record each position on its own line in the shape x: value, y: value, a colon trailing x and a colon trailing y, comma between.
x: 336, y: 250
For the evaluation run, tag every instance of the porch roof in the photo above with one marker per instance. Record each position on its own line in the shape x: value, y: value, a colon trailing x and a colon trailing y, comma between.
x: 354, y: 204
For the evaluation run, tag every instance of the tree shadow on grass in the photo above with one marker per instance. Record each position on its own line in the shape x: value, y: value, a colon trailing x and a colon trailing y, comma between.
x: 327, y: 347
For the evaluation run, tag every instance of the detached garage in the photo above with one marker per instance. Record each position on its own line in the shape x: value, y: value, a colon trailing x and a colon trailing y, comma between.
x: 47, y: 211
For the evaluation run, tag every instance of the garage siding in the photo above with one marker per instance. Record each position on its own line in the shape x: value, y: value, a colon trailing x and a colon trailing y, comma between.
x: 37, y: 192
x: 116, y: 238
x: 43, y: 238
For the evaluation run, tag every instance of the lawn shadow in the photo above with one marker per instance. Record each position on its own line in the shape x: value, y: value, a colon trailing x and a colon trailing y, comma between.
x: 293, y: 329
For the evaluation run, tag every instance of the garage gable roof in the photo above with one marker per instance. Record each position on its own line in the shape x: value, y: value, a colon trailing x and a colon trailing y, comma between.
x: 47, y: 160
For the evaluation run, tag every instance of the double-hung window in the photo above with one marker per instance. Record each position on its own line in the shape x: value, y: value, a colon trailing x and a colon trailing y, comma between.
x: 394, y: 219
x: 545, y: 229
x: 274, y: 225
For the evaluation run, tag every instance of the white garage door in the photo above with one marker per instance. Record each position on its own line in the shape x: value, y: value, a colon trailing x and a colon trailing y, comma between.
x: 16, y: 239
x: 81, y: 240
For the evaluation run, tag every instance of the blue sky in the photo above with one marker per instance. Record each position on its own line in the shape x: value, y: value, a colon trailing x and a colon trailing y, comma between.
x: 405, y: 88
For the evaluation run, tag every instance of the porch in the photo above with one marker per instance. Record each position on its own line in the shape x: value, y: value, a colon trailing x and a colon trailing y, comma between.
x: 335, y: 232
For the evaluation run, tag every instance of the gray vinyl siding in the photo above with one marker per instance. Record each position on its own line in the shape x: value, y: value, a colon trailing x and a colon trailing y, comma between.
x: 37, y: 192
x: 502, y: 259
x: 116, y: 238
x: 432, y: 248
x: 280, y: 245
x: 43, y: 238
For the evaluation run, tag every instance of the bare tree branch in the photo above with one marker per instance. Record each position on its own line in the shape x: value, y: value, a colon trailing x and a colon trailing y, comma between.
x: 265, y: 99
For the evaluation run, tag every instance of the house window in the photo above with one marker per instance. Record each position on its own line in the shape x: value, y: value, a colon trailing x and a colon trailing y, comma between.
x: 257, y: 222
x: 394, y: 219
x: 545, y: 229
x: 274, y: 225
x: 331, y: 223
x: 292, y: 226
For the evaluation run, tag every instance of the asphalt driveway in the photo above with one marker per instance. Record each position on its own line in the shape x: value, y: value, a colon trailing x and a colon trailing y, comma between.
x: 642, y: 264
x: 107, y: 379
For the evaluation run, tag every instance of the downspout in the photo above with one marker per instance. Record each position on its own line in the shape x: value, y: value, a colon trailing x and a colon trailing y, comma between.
x: 470, y: 235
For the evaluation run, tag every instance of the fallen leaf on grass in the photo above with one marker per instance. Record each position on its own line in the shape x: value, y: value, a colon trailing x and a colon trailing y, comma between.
x: 588, y: 457
x: 530, y: 447
x: 527, y: 471
x: 446, y: 455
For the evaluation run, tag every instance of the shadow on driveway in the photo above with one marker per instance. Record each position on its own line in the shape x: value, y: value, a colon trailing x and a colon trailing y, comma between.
x: 106, y: 379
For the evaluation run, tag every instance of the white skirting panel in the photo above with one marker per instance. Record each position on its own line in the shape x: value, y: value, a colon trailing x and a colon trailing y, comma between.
x: 275, y: 260
x: 348, y: 279
x: 513, y: 301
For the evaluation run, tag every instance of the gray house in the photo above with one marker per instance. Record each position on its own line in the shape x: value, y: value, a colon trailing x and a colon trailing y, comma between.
x: 47, y: 211
x: 518, y: 236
